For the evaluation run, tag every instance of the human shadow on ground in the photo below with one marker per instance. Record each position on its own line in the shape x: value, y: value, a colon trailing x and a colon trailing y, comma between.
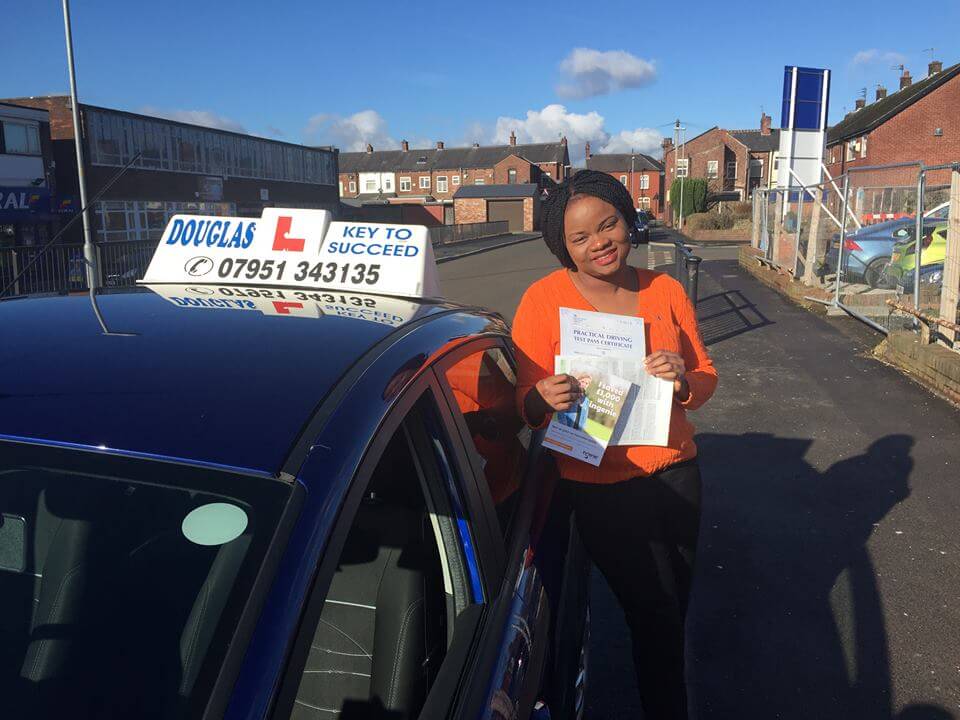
x: 727, y: 314
x: 787, y: 620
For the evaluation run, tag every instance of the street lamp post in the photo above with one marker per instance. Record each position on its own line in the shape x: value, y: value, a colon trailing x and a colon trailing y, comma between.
x: 89, y: 252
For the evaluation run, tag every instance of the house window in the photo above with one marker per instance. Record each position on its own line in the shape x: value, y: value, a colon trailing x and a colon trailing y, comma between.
x: 21, y: 139
x: 851, y: 149
x: 863, y: 146
x: 388, y: 184
x: 455, y: 180
x: 479, y: 181
x: 441, y: 183
x: 511, y: 177
x: 644, y: 182
x: 756, y: 167
x: 644, y: 203
x: 731, y: 169
x: 405, y: 184
x: 623, y: 179
x: 776, y: 163
x: 353, y: 186
x: 424, y: 182
x: 712, y: 168
x: 369, y: 185
x: 683, y: 167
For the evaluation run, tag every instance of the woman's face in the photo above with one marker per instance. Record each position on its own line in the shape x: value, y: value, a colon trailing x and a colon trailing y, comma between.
x: 596, y: 236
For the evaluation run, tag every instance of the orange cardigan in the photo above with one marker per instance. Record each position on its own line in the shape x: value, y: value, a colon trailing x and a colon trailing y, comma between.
x: 670, y: 323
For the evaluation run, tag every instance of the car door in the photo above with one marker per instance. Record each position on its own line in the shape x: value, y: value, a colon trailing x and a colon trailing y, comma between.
x: 542, y: 586
x: 404, y: 584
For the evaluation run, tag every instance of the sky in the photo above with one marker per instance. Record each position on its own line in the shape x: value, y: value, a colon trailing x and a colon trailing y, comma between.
x: 616, y: 74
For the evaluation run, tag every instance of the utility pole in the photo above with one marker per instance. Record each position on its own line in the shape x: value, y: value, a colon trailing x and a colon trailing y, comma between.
x: 677, y: 130
x: 89, y: 252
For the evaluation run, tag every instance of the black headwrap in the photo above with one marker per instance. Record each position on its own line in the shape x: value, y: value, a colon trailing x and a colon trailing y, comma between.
x: 585, y: 182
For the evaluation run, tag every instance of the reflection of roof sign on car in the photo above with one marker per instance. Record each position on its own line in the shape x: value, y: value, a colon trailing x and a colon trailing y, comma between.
x: 867, y: 251
x: 263, y: 500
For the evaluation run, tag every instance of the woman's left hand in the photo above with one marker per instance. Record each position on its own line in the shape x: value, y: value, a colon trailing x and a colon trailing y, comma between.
x: 669, y: 366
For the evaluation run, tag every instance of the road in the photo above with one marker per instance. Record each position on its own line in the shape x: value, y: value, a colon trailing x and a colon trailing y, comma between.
x: 828, y: 572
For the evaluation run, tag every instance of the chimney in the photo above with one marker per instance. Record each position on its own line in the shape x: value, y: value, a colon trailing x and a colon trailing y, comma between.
x: 881, y: 92
x: 764, y: 124
x: 563, y: 140
x: 905, y: 79
x: 369, y: 148
x: 586, y: 151
x: 405, y: 145
x: 667, y: 146
x: 934, y: 67
x: 439, y: 144
x: 513, y: 138
x: 859, y: 104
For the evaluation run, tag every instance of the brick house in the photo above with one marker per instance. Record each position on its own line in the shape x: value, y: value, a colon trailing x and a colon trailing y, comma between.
x: 433, y: 176
x: 920, y: 122
x: 640, y: 174
x: 518, y: 204
x: 735, y: 162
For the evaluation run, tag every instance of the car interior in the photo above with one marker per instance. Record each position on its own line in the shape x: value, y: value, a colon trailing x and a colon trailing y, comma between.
x: 382, y: 633
x: 107, y: 607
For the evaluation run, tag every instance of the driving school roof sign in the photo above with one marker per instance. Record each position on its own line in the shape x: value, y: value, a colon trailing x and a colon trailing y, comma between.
x: 296, y: 248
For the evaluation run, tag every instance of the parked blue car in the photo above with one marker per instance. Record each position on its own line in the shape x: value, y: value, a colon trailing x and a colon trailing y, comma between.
x: 867, y: 251
x: 242, y: 502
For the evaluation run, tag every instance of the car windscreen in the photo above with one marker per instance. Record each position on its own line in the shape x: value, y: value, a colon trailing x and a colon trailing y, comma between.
x: 122, y: 581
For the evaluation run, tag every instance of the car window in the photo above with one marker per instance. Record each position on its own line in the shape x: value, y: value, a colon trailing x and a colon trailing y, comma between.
x: 483, y: 384
x: 122, y: 582
x: 401, y: 579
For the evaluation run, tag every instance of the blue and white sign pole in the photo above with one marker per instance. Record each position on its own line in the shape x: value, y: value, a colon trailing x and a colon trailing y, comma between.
x: 803, y: 126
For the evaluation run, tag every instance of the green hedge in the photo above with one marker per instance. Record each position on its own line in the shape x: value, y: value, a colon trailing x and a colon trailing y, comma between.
x: 694, y: 196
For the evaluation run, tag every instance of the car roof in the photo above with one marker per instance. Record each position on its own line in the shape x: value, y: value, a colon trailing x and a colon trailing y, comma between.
x: 229, y: 386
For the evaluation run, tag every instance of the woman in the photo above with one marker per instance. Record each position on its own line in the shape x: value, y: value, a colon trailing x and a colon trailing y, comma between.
x: 638, y: 513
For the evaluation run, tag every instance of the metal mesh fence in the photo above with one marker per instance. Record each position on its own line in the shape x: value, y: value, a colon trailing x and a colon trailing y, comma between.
x: 878, y: 213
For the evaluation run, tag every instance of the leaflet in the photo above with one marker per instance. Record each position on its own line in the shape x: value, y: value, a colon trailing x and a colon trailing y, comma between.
x: 584, y: 431
x: 617, y: 345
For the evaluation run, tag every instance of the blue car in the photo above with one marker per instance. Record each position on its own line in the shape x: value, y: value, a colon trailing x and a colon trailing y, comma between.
x: 867, y: 251
x: 264, y: 502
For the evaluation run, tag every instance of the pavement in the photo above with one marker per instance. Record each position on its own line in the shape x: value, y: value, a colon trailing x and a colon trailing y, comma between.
x: 445, y: 253
x: 828, y: 572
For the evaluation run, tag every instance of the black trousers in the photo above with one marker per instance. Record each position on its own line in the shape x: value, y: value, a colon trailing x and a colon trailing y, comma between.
x: 642, y: 535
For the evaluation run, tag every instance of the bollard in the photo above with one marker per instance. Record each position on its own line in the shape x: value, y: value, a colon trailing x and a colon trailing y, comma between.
x: 678, y: 265
x: 692, y: 283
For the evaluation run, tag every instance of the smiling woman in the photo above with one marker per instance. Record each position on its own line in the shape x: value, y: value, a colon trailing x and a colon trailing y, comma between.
x: 638, y: 512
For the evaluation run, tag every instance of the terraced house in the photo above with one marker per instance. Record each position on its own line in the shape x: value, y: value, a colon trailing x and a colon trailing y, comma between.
x: 432, y: 176
x: 735, y: 162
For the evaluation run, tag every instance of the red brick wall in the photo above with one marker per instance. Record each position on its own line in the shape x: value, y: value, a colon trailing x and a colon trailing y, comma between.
x: 346, y: 179
x: 525, y: 171
x: 451, y: 188
x: 470, y: 210
x: 908, y: 136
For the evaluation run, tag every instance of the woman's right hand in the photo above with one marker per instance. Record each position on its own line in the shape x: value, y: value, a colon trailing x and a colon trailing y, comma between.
x: 559, y: 392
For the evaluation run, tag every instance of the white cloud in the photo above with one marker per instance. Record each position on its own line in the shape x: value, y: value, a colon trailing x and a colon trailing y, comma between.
x: 196, y: 117
x: 642, y: 140
x: 594, y: 72
x: 868, y: 57
x: 350, y: 133
x: 555, y: 121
